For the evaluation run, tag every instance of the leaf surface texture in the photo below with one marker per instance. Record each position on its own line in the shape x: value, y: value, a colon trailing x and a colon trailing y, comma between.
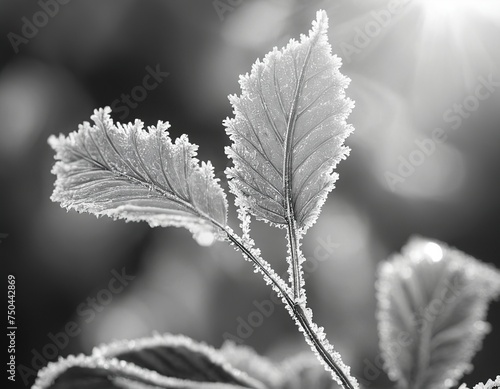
x: 169, y: 361
x: 288, y: 130
x: 126, y: 172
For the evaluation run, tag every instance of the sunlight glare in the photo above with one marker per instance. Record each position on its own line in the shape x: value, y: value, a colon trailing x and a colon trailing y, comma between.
x: 452, y: 7
x: 434, y: 251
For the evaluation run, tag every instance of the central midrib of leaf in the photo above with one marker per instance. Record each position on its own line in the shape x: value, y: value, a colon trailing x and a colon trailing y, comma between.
x: 424, y: 345
x: 288, y: 175
x: 170, y: 195
x: 290, y: 131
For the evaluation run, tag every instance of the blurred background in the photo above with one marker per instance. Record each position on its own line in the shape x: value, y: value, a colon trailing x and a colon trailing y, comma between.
x: 421, y: 70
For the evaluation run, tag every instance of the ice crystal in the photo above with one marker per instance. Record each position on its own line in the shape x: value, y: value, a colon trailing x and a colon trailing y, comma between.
x: 490, y: 384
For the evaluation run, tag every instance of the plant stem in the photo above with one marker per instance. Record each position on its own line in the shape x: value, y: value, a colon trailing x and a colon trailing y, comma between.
x: 294, y: 254
x: 301, y: 317
x: 233, y: 238
x: 297, y: 312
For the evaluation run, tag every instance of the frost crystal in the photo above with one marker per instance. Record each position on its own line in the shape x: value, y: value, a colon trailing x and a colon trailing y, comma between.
x: 490, y: 384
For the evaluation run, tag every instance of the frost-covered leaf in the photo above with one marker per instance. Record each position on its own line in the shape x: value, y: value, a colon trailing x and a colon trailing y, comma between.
x: 287, y: 137
x: 432, y: 305
x: 159, y: 362
x: 490, y: 384
x: 288, y: 130
x: 124, y: 171
x: 170, y: 361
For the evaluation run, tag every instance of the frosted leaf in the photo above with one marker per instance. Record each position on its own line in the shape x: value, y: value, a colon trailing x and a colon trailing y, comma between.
x: 432, y: 305
x: 170, y: 361
x: 288, y: 130
x: 490, y: 384
x: 158, y: 362
x: 127, y: 172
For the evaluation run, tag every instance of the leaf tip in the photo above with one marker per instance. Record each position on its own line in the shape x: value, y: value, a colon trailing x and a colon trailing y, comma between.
x: 321, y: 21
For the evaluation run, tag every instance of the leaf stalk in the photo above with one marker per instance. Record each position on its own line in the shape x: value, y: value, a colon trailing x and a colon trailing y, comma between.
x: 298, y: 312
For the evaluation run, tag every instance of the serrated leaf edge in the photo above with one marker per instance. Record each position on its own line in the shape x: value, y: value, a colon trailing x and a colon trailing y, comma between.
x: 102, y: 118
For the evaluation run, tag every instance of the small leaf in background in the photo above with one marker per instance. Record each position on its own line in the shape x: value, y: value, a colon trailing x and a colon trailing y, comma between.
x: 490, y: 384
x: 432, y: 305
x: 297, y: 372
x: 246, y: 359
x: 126, y: 172
x: 170, y: 361
x: 303, y: 371
x: 288, y: 130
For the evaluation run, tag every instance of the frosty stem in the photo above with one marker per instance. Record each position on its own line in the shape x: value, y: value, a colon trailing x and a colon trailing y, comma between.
x: 298, y: 313
x: 301, y: 317
x: 295, y: 260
